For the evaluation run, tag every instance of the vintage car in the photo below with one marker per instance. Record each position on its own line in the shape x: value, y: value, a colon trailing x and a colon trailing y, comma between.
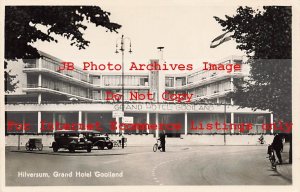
x: 71, y: 140
x: 99, y: 140
x: 34, y: 143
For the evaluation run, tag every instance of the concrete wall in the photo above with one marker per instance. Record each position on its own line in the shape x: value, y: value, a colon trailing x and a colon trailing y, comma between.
x: 149, y: 140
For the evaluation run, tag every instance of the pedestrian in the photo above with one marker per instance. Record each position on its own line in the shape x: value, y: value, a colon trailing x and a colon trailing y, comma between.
x: 278, y: 146
x: 123, y: 141
x: 162, y: 138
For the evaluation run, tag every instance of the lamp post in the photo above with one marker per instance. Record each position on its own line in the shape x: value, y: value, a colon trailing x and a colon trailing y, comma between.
x: 121, y: 40
x: 225, y: 118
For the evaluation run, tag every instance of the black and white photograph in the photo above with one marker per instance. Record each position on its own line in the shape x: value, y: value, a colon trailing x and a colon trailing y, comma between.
x: 148, y: 93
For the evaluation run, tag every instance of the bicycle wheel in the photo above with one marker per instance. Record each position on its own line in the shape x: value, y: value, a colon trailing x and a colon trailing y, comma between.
x: 160, y: 148
x: 273, y: 160
x: 155, y: 146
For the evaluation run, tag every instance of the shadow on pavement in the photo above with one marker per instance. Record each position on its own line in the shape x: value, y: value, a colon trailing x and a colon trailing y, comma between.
x: 67, y: 153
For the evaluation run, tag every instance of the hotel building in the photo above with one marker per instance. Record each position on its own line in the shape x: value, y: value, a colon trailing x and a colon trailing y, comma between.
x: 49, y: 95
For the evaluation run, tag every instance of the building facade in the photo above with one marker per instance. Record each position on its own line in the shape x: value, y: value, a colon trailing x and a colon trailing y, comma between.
x: 49, y: 99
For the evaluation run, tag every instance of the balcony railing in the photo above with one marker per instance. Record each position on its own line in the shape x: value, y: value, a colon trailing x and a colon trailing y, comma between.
x: 60, y: 89
x: 31, y: 85
x: 27, y: 65
x: 54, y: 66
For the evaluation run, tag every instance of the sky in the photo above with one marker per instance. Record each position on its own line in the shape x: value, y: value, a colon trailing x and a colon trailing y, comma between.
x: 184, y: 29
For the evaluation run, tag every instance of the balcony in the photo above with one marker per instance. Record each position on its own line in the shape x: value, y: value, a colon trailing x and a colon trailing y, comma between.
x: 30, y: 88
x: 126, y: 86
x: 52, y: 69
x: 206, y: 80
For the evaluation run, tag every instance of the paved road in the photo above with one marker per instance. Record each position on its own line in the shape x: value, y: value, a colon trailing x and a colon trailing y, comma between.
x: 193, y: 165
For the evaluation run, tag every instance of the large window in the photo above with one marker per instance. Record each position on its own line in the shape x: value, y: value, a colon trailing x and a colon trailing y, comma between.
x: 54, y: 66
x: 169, y: 82
x: 116, y: 80
x: 64, y: 87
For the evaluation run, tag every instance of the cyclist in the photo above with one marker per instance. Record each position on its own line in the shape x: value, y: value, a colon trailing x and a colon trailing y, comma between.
x: 162, y: 138
x: 261, y: 139
x: 278, y: 146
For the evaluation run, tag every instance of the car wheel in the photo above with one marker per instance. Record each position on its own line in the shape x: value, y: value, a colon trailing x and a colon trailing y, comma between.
x: 109, y: 146
x: 27, y: 147
x: 55, y: 147
x: 89, y: 149
x: 71, y: 148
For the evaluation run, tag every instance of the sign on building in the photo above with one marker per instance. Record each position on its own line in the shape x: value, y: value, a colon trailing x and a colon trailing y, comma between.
x: 127, y: 120
x: 117, y: 114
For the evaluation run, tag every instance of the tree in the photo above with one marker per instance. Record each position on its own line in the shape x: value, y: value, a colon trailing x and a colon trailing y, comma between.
x: 265, y: 36
x: 22, y: 28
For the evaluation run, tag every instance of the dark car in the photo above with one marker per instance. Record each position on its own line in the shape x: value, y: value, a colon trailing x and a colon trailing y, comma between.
x: 99, y: 140
x: 34, y: 143
x: 71, y: 140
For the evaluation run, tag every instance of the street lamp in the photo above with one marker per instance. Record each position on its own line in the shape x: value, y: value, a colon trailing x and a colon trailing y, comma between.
x: 225, y: 118
x: 121, y: 40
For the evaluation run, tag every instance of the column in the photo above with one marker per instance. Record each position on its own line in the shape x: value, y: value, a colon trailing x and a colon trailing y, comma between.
x: 185, y: 123
x: 39, y: 86
x: 272, y: 123
x: 118, y: 124
x: 232, y: 122
x: 39, y: 98
x: 40, y: 63
x: 85, y: 120
x: 54, y: 122
x: 39, y: 121
x: 232, y: 89
x: 157, y: 122
x: 23, y: 123
x: 79, y: 120
x: 174, y: 82
x: 148, y: 121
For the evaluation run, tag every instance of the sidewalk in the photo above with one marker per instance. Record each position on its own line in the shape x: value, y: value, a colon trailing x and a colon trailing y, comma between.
x: 285, y: 170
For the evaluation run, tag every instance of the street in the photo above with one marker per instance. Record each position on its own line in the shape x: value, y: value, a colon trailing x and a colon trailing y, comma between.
x: 185, y: 165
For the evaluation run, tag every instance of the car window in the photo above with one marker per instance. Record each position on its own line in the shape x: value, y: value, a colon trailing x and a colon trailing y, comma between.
x: 72, y: 134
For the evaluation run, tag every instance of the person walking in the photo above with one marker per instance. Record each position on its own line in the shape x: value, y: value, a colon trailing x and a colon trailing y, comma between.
x: 123, y: 141
x: 278, y: 146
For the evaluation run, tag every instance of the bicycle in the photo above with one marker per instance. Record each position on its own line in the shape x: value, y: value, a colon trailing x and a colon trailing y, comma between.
x: 272, y: 157
x: 118, y: 143
x: 261, y: 142
x: 157, y: 145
